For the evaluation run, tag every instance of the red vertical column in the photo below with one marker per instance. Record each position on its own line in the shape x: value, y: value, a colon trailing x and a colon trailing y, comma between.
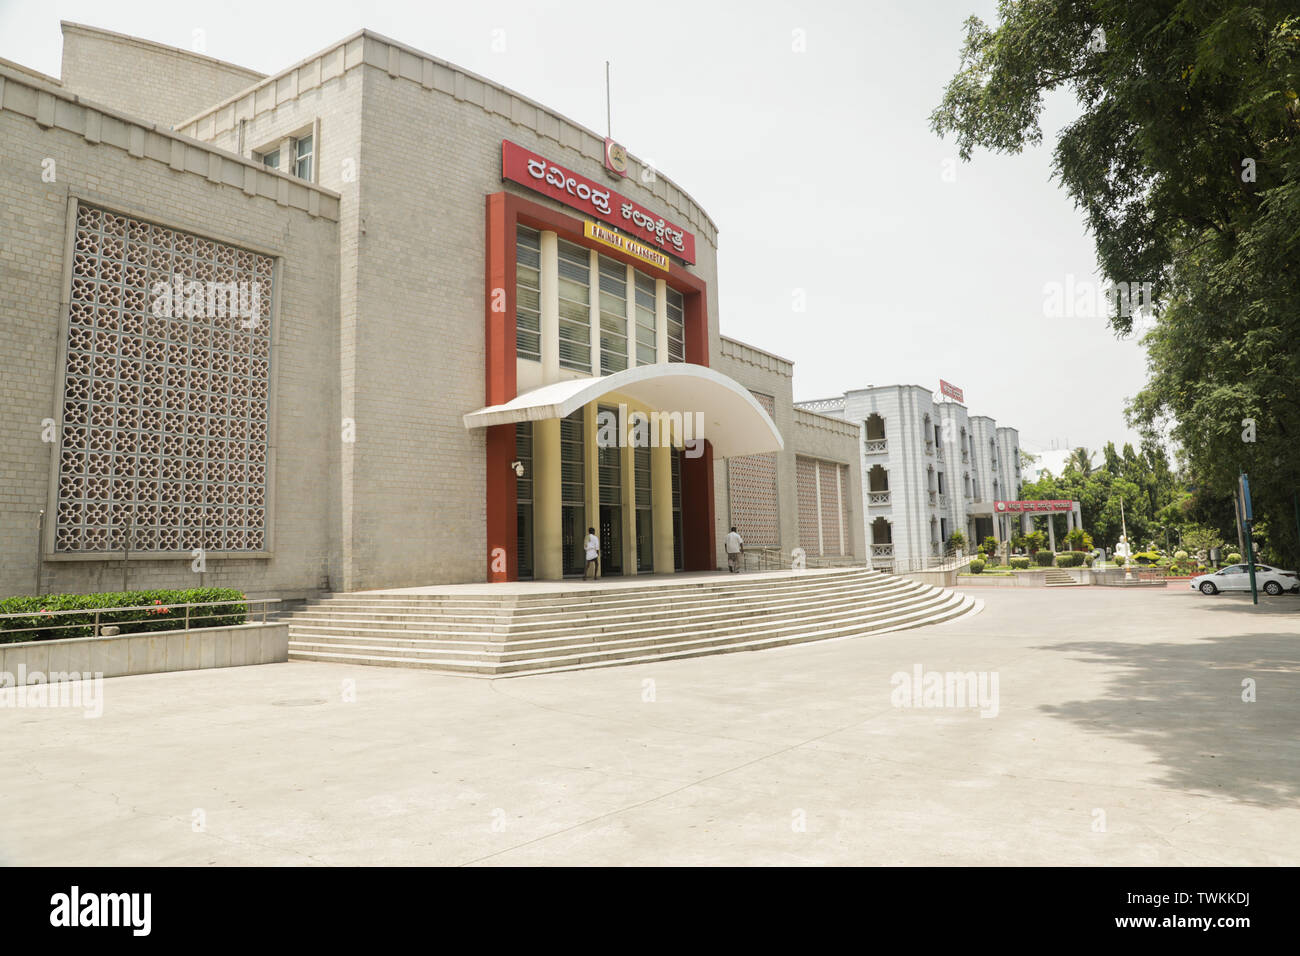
x: 499, y: 339
x: 698, y: 552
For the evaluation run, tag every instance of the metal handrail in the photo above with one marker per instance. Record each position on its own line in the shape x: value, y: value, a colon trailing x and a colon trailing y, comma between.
x: 166, y: 608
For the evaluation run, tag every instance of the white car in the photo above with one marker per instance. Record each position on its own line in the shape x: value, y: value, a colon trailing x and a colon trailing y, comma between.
x: 1237, y: 578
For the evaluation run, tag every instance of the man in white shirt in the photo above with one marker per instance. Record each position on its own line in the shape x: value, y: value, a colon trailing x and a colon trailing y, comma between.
x: 735, y: 546
x: 592, y: 547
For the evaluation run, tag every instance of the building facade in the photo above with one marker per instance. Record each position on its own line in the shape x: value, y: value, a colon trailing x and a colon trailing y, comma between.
x: 929, y: 468
x: 359, y: 324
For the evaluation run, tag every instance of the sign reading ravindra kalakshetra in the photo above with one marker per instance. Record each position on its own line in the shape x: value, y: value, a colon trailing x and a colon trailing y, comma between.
x: 527, y: 168
x: 616, y: 240
x: 951, y: 390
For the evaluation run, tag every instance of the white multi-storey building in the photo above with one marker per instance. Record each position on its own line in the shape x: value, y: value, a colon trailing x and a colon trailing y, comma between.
x: 928, y: 469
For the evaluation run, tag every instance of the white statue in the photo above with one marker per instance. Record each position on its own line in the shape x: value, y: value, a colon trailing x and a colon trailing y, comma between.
x: 1122, y: 549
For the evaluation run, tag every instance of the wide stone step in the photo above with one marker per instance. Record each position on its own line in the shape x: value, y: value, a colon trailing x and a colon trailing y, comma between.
x: 954, y: 606
x: 665, y: 631
x: 590, y: 620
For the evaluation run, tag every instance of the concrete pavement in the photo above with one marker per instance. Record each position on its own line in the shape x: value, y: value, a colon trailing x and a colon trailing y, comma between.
x: 1120, y: 737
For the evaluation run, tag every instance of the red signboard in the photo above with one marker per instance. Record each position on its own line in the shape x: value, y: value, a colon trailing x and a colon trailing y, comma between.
x: 952, y: 391
x: 1053, y: 506
x: 525, y: 167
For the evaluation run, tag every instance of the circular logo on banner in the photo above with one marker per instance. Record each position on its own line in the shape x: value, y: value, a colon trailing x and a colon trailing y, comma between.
x: 1002, y: 506
x: 616, y: 156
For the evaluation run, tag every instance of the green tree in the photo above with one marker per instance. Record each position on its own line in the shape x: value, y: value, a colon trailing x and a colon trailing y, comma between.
x: 1185, y: 161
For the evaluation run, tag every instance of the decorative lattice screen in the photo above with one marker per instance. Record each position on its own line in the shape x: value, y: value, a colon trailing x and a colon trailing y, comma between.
x: 165, y: 403
x: 752, y: 482
x: 806, y: 481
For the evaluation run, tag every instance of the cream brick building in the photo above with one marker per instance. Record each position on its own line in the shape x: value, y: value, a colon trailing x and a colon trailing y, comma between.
x: 417, y: 326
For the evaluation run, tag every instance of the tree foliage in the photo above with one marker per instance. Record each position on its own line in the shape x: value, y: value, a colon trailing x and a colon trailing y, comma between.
x: 1185, y: 161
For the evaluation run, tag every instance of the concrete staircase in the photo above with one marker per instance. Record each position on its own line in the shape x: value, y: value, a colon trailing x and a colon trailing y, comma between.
x: 512, y: 634
x: 1060, y: 578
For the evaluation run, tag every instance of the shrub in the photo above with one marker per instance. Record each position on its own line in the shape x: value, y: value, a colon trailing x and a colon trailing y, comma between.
x: 1146, y: 557
x: 957, y: 540
x: 158, y: 614
x: 977, y: 566
x: 1069, y: 559
x: 1234, y: 558
x: 990, y: 545
x: 1180, y: 556
x: 1019, y: 564
x: 1044, y: 559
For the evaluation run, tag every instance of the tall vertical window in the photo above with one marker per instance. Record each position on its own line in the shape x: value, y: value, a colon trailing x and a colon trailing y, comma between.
x: 645, y: 554
x: 613, y: 316
x: 528, y: 294
x: 573, y: 491
x: 676, y: 326
x: 524, y: 498
x: 304, y: 148
x: 646, y: 353
x: 575, y: 307
x: 610, y: 524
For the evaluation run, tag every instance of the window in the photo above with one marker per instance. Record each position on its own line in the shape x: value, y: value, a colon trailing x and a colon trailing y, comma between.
x: 676, y: 326
x: 646, y: 351
x: 528, y: 294
x: 524, y: 499
x: 271, y: 160
x: 304, y: 150
x: 613, y: 316
x: 575, y: 306
x: 645, y: 555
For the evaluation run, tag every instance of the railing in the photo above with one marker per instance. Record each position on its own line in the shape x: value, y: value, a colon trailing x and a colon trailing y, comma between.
x: 775, y: 559
x: 936, y: 561
x: 876, y: 446
x: 878, y: 498
x: 882, y: 550
x: 943, y: 501
x: 232, y: 608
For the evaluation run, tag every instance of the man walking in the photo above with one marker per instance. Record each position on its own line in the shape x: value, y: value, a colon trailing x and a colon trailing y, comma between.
x: 592, y: 547
x: 735, y: 546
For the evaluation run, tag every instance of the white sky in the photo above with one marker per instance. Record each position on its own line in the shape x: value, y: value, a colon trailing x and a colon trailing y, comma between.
x: 818, y: 167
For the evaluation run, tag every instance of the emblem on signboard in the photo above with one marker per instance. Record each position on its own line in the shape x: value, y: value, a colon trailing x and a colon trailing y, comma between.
x: 615, y: 157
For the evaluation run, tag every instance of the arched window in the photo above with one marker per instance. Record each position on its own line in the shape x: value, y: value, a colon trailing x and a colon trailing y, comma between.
x: 881, y: 532
x: 875, y: 427
x: 878, y: 479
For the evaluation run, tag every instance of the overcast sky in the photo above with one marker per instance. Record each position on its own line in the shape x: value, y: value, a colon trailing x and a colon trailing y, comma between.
x: 818, y: 167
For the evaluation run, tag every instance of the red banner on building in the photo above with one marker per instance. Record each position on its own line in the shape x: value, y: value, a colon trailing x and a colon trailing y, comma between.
x: 525, y: 167
x: 1045, y: 505
x: 952, y: 391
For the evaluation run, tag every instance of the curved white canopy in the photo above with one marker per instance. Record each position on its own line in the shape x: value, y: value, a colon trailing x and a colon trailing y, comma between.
x: 734, y: 423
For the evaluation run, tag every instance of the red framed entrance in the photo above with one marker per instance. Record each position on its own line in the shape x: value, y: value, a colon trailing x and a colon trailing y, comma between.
x: 505, y: 211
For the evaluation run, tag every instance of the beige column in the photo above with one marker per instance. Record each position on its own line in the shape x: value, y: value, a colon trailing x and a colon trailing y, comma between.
x: 287, y: 155
x: 661, y: 324
x: 550, y: 318
x: 661, y: 499
x: 548, y: 559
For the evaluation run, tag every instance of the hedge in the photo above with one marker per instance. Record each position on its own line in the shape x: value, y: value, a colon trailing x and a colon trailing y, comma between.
x: 1069, y: 559
x: 164, y: 618
x: 1020, y: 564
x: 1045, y: 559
x: 977, y: 566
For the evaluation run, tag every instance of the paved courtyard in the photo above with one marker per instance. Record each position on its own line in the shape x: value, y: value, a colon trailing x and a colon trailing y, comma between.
x: 1120, y: 737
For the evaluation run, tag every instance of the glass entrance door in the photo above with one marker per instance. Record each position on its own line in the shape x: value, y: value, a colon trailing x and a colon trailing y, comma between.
x: 611, y: 540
